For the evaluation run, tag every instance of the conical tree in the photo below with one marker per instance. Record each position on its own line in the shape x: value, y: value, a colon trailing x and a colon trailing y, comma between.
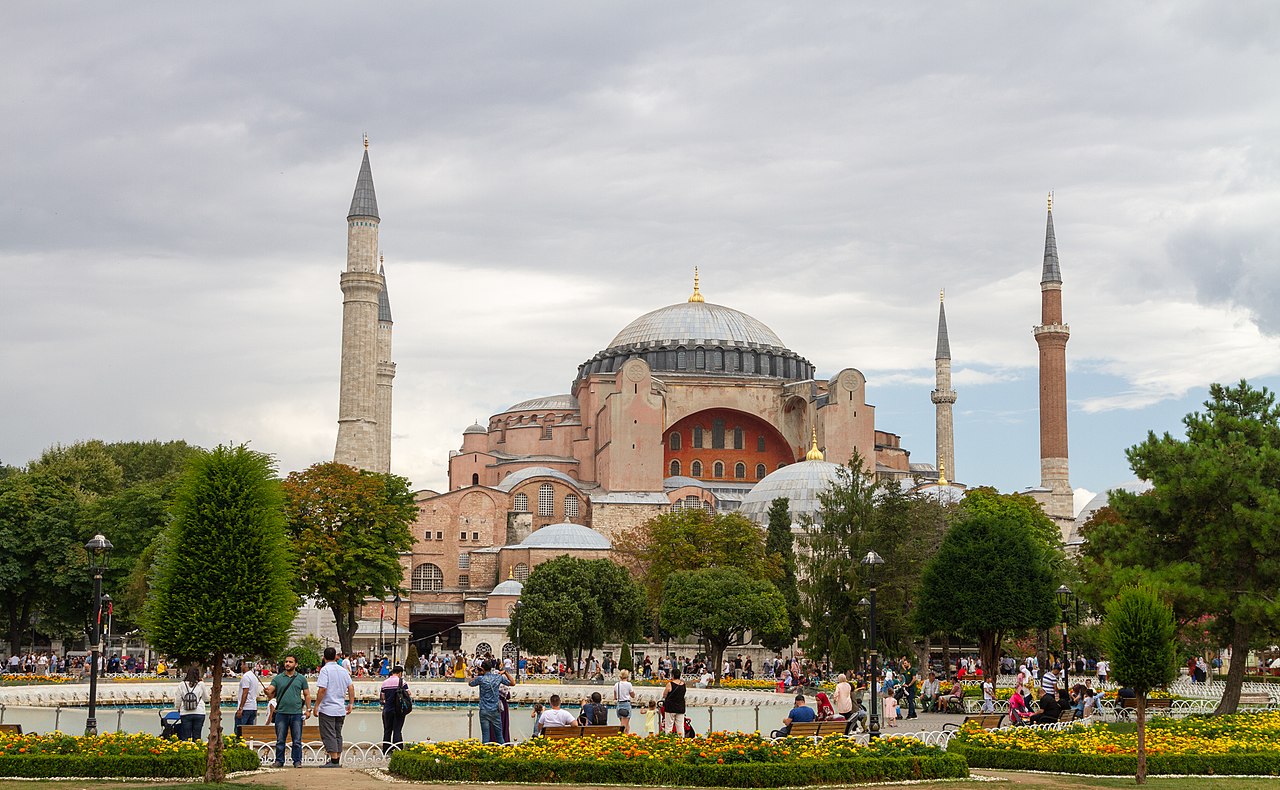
x: 1138, y: 637
x: 223, y: 575
x: 626, y: 660
x: 411, y: 660
x: 779, y: 545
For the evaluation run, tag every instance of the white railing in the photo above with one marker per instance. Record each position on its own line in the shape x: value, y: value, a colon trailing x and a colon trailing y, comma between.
x: 362, y: 754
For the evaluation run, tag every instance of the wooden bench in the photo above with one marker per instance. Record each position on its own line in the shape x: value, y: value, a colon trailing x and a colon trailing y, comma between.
x: 266, y: 733
x: 987, y: 721
x: 1128, y: 705
x: 1067, y: 716
x: 814, y: 729
x: 596, y: 731
x: 1255, y: 698
x: 16, y: 729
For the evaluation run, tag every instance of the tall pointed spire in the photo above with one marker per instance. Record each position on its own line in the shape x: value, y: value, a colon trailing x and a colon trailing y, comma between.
x: 1051, y: 336
x: 384, y: 301
x: 697, y: 295
x: 364, y: 203
x: 944, y: 342
x: 1052, y: 273
x: 943, y: 396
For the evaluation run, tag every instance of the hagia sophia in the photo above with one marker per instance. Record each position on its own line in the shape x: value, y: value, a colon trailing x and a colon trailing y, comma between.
x: 691, y: 405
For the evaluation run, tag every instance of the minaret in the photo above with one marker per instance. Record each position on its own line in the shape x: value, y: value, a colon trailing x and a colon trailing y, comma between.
x: 361, y: 285
x: 386, y: 376
x: 1051, y: 335
x: 943, y: 396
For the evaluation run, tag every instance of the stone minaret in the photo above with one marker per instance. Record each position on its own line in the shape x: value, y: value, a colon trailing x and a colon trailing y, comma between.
x: 361, y: 285
x: 944, y: 397
x: 386, y: 375
x: 1051, y: 335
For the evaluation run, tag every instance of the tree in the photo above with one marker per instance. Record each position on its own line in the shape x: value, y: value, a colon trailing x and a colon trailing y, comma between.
x: 842, y: 658
x: 1138, y: 635
x: 570, y: 605
x: 348, y: 528
x: 39, y: 554
x: 411, y: 659
x: 779, y: 546
x: 1207, y: 534
x: 307, y: 653
x: 223, y: 577
x: 722, y: 606
x: 626, y: 660
x: 993, y: 574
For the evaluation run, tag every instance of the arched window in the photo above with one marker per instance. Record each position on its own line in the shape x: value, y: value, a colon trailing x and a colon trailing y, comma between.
x: 483, y: 649
x: 546, y: 431
x: 522, y: 503
x: 761, y: 471
x: 759, y: 444
x: 570, y: 507
x: 675, y: 467
x: 509, y: 651
x: 675, y: 440
x: 546, y: 500
x: 475, y: 479
x: 740, y: 471
x: 717, y: 434
x: 781, y: 464
x: 717, y: 469
x: 695, y: 469
x: 427, y: 578
x: 749, y: 362
x: 717, y: 360
x: 682, y: 360
x: 737, y: 438
x: 700, y: 359
x: 697, y: 436
x: 520, y: 572
x: 692, y: 502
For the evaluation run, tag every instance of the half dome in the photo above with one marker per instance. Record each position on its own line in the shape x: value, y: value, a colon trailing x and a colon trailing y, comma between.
x: 566, y: 536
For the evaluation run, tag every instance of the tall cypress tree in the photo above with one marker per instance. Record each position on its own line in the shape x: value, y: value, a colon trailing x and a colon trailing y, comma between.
x: 779, y: 544
x: 223, y: 575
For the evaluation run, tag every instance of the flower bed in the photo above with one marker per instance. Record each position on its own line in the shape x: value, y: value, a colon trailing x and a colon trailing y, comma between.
x: 113, y: 754
x: 1240, y: 744
x: 20, y: 679
x: 718, y: 760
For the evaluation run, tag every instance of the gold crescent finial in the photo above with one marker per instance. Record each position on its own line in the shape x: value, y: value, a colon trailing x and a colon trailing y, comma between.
x: 366, y: 142
x: 814, y: 453
x: 511, y: 571
x: 1051, y: 200
x: 942, y: 473
x: 697, y: 295
x: 942, y: 294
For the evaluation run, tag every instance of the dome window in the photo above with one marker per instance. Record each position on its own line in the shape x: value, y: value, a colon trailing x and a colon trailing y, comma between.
x: 546, y: 500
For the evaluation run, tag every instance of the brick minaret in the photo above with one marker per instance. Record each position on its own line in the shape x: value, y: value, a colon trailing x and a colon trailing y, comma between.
x: 386, y: 376
x: 943, y: 396
x: 361, y: 284
x: 1051, y: 336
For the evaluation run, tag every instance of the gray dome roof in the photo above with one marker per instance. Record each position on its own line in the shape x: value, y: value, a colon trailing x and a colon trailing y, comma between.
x: 520, y: 475
x: 799, y: 482
x: 509, y: 587
x: 547, y: 402
x: 948, y: 494
x: 680, y: 481
x: 475, y: 427
x: 692, y: 321
x: 566, y: 536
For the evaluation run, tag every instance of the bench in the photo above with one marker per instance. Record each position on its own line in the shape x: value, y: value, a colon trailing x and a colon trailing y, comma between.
x: 987, y: 721
x: 1129, y: 704
x: 16, y: 729
x: 596, y: 731
x: 1067, y: 716
x: 1255, y: 698
x: 813, y: 729
x: 266, y: 733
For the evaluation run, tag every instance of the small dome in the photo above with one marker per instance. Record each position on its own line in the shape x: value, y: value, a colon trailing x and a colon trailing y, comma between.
x: 566, y: 536
x: 509, y: 587
x: 801, y: 483
x: 947, y: 495
x: 680, y: 481
x: 554, y: 402
x: 520, y: 475
x: 692, y: 321
x: 475, y: 427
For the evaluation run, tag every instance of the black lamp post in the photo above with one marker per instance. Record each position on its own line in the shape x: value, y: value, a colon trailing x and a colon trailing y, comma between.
x: 395, y: 640
x: 519, y: 607
x: 99, y: 550
x: 872, y: 561
x: 1064, y: 596
x: 826, y: 615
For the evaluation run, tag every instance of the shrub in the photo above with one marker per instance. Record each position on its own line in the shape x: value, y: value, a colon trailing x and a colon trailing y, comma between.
x: 167, y: 766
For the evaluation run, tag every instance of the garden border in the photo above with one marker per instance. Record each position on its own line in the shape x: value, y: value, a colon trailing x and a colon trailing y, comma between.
x: 1117, y: 764
x: 121, y: 766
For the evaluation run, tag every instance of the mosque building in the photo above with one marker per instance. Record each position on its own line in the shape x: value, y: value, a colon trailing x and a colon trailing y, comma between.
x: 691, y: 405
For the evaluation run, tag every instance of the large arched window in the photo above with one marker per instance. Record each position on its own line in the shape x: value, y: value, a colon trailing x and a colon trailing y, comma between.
x: 675, y: 467
x: 717, y: 469
x: 483, y: 649
x: 427, y: 578
x: 697, y: 436
x: 740, y: 470
x: 570, y: 507
x: 522, y: 503
x: 520, y: 572
x: 675, y: 440
x: 717, y: 434
x: 761, y: 471
x: 737, y: 438
x: 695, y: 469
x: 546, y: 500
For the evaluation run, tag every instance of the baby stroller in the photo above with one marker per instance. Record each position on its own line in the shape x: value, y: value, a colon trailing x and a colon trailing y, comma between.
x: 169, y: 723
x: 689, y: 732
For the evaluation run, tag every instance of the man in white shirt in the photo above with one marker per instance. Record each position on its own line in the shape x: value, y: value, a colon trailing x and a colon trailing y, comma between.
x: 988, y: 695
x: 555, y: 717
x: 1104, y: 668
x: 1049, y: 682
x: 250, y: 688
x: 333, y: 685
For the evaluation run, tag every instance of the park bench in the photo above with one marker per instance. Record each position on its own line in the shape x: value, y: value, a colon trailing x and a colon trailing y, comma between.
x: 987, y: 721
x: 575, y: 731
x: 1067, y: 716
x: 266, y: 733
x: 1255, y: 698
x: 1128, y: 705
x: 813, y: 729
x: 16, y: 729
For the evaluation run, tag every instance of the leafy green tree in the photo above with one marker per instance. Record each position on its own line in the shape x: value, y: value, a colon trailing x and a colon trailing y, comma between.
x: 842, y: 658
x: 626, y: 660
x: 993, y: 574
x: 723, y: 606
x: 307, y: 652
x: 411, y: 659
x: 779, y: 546
x: 1207, y: 535
x: 40, y: 557
x: 223, y: 578
x: 1138, y: 635
x: 571, y: 605
x: 348, y: 528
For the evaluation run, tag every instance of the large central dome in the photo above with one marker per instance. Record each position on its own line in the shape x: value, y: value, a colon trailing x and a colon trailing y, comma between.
x: 692, y: 322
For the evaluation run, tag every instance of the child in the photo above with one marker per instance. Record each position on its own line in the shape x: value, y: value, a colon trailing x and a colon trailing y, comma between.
x: 537, y: 714
x: 651, y: 717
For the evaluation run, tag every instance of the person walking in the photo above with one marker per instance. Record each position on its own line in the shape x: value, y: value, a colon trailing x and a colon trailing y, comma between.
x: 623, y: 695
x: 289, y: 704
x: 889, y: 702
x: 489, y: 679
x: 392, y: 718
x: 250, y: 688
x: 909, y: 686
x: 335, y: 698
x: 189, y: 698
x: 673, y: 708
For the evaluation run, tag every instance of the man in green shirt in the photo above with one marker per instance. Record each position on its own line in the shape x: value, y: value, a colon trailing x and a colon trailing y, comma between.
x: 293, y: 704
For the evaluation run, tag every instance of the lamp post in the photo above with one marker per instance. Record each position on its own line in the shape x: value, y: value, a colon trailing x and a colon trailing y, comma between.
x: 872, y: 561
x: 865, y: 606
x: 99, y: 550
x: 826, y: 614
x: 516, y: 610
x: 382, y: 619
x: 395, y: 640
x: 1064, y: 596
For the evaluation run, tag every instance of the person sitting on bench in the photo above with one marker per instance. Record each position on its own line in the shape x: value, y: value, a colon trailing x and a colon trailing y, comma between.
x: 801, y: 713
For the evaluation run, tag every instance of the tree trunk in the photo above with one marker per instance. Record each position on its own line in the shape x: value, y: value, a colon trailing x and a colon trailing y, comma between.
x: 1240, y: 636
x: 717, y: 659
x: 1142, y: 739
x: 989, y: 651
x: 345, y: 622
x: 214, y: 770
x: 946, y: 655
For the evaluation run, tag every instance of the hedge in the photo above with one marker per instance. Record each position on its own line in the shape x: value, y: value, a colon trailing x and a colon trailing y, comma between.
x: 419, y: 767
x: 1119, y: 764
x: 165, y: 766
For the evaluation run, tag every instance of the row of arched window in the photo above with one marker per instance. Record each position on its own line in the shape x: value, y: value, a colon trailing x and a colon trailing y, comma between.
x: 428, y: 577
x: 718, y: 437
x: 547, y: 503
x: 718, y: 469
x: 731, y: 361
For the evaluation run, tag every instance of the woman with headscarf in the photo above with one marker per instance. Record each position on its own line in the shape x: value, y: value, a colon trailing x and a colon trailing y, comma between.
x: 826, y: 711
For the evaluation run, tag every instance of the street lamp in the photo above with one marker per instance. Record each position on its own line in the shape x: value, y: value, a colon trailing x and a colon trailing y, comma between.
x: 395, y: 641
x: 872, y: 561
x: 826, y: 615
x: 517, y: 609
x: 1064, y: 596
x: 99, y: 550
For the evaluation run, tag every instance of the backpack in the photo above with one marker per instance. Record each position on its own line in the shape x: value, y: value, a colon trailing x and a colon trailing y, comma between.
x: 404, y: 700
x: 600, y: 716
x: 189, y: 700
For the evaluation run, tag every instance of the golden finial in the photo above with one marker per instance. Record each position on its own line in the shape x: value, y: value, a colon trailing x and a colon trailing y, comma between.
x: 511, y: 572
x: 697, y: 297
x: 814, y: 453
x: 366, y: 142
x: 942, y: 294
x: 381, y: 259
x: 1051, y: 200
x: 942, y: 473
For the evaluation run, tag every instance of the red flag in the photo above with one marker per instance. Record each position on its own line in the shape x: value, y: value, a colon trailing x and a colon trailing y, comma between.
x: 110, y: 607
x: 382, y: 615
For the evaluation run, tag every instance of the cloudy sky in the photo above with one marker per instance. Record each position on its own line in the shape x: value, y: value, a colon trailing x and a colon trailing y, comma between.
x: 177, y: 179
